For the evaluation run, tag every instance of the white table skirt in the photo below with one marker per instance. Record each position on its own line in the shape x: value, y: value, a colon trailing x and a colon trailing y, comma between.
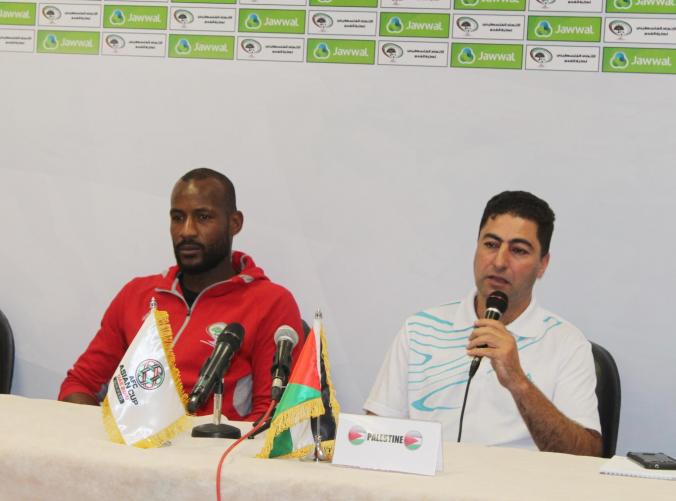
x: 54, y: 450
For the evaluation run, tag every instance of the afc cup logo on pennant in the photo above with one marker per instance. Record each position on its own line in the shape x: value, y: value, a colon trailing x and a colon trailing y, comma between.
x: 413, y: 440
x: 150, y: 374
x: 356, y: 435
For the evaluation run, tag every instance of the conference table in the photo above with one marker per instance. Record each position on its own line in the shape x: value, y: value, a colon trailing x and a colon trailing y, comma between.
x: 52, y: 450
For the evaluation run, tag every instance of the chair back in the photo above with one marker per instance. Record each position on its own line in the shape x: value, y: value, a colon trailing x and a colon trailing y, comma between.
x: 609, y: 395
x: 6, y: 355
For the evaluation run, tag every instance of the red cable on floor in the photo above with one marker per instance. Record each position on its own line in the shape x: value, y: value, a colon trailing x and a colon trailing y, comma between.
x: 236, y: 443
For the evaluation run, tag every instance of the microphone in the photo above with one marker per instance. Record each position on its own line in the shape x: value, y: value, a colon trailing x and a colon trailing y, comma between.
x: 496, y: 305
x: 285, y: 338
x: 213, y: 370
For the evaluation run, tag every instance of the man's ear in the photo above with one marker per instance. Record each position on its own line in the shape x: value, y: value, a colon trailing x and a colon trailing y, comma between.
x: 544, y: 262
x: 235, y: 223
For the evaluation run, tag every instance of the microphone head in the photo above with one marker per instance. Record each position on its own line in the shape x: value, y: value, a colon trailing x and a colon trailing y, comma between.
x: 288, y: 333
x: 233, y: 334
x: 497, y: 300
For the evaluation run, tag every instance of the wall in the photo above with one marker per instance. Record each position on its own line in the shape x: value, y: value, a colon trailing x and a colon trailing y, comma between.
x: 361, y: 187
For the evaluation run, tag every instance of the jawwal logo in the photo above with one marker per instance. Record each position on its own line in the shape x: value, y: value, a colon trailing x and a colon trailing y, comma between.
x: 469, y: 3
x: 541, y: 55
x: 115, y: 42
x: 413, y: 440
x: 117, y: 17
x: 183, y: 47
x: 543, y: 29
x: 251, y: 46
x: 51, y: 42
x: 394, y: 25
x: 253, y: 21
x: 466, y: 56
x: 392, y: 50
x: 184, y: 16
x: 356, y: 435
x: 322, y: 20
x: 619, y: 28
x: 322, y: 51
x: 51, y: 13
x: 619, y: 60
x: 622, y: 4
x: 546, y: 3
x: 150, y: 374
x: 467, y: 24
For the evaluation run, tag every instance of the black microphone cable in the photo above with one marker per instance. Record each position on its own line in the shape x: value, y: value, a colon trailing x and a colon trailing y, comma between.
x: 496, y: 305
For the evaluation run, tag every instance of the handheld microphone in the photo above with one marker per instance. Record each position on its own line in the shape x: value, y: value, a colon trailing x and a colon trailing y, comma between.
x: 496, y: 305
x: 285, y: 338
x: 213, y: 370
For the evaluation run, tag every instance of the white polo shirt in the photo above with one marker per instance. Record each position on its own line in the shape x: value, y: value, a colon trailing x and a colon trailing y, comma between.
x: 425, y: 373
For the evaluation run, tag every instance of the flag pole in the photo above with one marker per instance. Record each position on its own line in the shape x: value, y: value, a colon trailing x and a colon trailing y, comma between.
x: 319, y: 453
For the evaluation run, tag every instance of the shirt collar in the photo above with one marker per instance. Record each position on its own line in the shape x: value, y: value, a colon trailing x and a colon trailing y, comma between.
x: 525, y: 325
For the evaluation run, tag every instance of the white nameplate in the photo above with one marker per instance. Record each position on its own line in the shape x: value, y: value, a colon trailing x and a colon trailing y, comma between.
x: 380, y: 443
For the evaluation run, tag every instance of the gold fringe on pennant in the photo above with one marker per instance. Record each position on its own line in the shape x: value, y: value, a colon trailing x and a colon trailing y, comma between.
x: 333, y: 401
x: 110, y: 425
x: 289, y: 418
x: 167, y: 337
x: 166, y: 434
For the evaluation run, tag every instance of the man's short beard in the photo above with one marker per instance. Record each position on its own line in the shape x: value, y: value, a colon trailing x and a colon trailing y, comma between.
x: 211, y: 258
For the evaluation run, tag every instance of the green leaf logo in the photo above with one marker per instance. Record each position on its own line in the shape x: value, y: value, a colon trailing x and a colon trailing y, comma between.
x: 253, y: 22
x: 117, y: 17
x: 544, y: 29
x: 466, y: 56
x: 183, y: 46
x: 50, y: 42
x: 322, y: 51
x: 394, y: 25
x: 619, y: 60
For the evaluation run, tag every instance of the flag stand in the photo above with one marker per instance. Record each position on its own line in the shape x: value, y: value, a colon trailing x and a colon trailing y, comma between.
x: 216, y: 429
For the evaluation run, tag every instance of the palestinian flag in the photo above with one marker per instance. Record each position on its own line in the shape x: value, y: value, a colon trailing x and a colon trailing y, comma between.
x: 145, y: 402
x: 290, y: 433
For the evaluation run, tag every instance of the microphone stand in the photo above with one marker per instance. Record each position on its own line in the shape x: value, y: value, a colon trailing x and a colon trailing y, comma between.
x: 216, y: 429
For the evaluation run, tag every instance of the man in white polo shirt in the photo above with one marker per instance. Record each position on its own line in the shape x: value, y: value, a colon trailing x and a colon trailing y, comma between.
x: 536, y: 387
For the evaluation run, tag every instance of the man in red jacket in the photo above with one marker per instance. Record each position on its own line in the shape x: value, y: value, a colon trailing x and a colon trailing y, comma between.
x: 210, y: 287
